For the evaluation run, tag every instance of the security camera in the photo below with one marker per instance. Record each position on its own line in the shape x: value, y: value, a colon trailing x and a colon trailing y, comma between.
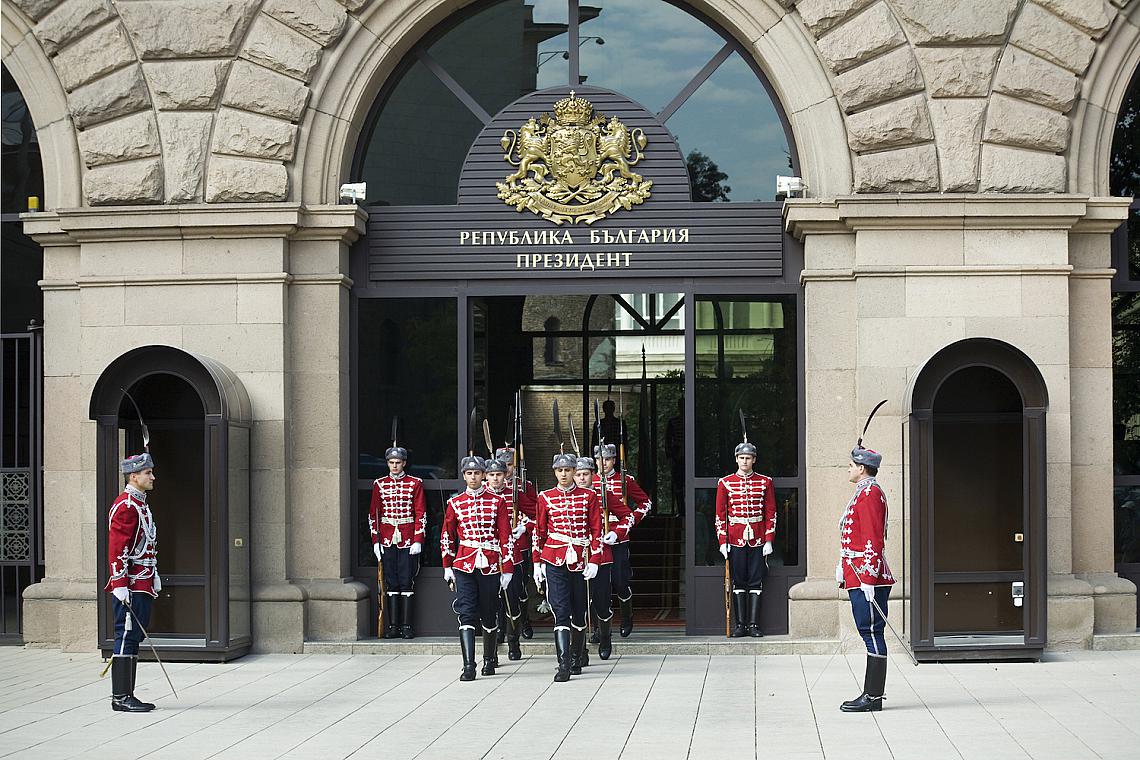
x: 353, y: 191
x: 786, y: 187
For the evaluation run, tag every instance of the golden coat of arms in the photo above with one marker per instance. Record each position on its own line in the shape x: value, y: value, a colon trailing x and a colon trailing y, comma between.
x: 575, y: 166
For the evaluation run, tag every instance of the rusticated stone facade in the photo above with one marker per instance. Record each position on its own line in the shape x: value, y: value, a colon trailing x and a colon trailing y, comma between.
x: 183, y: 101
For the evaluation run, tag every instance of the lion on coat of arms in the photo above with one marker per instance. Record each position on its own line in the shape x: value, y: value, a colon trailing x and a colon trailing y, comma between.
x: 574, y: 166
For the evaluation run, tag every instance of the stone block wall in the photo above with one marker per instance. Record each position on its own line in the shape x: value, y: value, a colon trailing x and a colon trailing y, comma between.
x: 177, y: 101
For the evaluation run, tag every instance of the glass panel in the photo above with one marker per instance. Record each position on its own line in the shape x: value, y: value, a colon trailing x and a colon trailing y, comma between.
x: 786, y: 550
x: 22, y: 169
x: 179, y: 611
x: 976, y: 608
x: 1126, y: 383
x: 646, y: 50
x: 529, y: 44
x: 1126, y: 511
x: 21, y: 267
x: 749, y: 363
x: 974, y: 527
x: 1134, y: 241
x: 1124, y: 166
x: 737, y: 155
x: 416, y: 148
x: 407, y: 367
x: 238, y: 498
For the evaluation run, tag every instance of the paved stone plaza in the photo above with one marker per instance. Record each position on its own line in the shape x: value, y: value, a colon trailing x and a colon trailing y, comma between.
x: 1072, y: 706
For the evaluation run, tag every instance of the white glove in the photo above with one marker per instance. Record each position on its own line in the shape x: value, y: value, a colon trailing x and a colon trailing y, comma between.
x: 590, y: 572
x: 122, y: 593
x: 448, y: 575
x: 868, y: 590
x: 539, y: 573
x: 724, y: 550
x: 839, y: 573
x: 767, y: 548
x: 378, y: 550
x: 519, y: 530
x: 415, y: 548
x: 505, y: 579
x: 157, y: 583
x: 610, y: 538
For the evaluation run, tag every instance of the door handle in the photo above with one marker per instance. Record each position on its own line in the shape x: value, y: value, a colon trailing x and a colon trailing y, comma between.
x: 1017, y: 590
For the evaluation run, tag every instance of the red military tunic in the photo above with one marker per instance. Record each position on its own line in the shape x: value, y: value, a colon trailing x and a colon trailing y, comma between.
x: 622, y: 519
x: 640, y: 499
x: 745, y: 510
x: 568, y: 528
x: 132, y: 544
x: 528, y: 510
x: 398, y: 513
x: 476, y: 534
x: 862, y: 535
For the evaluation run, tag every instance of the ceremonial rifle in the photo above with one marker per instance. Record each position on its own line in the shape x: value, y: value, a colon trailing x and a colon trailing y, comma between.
x: 557, y: 428
x: 621, y: 448
x: 515, y: 445
x: 487, y: 438
x: 599, y: 460
x: 573, y: 436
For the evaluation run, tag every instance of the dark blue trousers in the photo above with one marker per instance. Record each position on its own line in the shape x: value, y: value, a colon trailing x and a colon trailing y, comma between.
x: 601, y: 598
x: 621, y: 572
x: 476, y: 599
x: 748, y: 567
x: 128, y: 633
x: 566, y: 592
x: 400, y: 569
x: 869, y: 622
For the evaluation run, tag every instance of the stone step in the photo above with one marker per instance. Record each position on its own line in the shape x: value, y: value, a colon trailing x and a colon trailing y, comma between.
x: 638, y: 643
x: 1116, y: 642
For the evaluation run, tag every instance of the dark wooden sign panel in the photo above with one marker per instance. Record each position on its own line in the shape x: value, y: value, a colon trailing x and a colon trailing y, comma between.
x: 668, y: 235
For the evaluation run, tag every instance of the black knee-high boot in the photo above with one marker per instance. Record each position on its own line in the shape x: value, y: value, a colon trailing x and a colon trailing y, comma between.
x: 605, y: 638
x: 562, y: 653
x: 391, y: 617
x: 134, y: 674
x: 490, y: 651
x: 740, y: 613
x: 406, y: 616
x: 121, y: 698
x: 874, y: 687
x: 577, y: 650
x: 514, y: 651
x: 754, y: 615
x: 626, y: 606
x: 467, y: 649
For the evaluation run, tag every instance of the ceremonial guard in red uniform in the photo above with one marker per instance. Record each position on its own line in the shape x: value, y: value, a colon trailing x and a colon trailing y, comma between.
x: 132, y: 551
x: 475, y: 543
x: 397, y: 518
x: 621, y: 522
x: 513, y: 612
x: 567, y: 546
x: 746, y: 528
x: 862, y: 571
x: 634, y: 498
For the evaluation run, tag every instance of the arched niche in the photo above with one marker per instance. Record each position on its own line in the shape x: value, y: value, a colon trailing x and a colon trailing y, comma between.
x: 978, y: 503
x: 199, y: 417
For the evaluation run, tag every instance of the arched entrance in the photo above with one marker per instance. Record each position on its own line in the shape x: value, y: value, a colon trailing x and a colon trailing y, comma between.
x: 977, y: 449
x: 198, y: 416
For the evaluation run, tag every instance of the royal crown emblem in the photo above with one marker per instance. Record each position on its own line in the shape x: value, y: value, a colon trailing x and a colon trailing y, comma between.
x: 575, y: 166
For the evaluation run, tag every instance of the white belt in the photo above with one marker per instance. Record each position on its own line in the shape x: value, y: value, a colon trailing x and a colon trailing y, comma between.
x: 571, y: 555
x: 749, y: 534
x: 397, y: 537
x: 850, y: 553
x: 480, y: 547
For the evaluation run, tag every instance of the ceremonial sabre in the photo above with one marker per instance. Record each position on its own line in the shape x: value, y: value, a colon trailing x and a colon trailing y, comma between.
x: 878, y: 609
x: 557, y: 428
x: 146, y: 637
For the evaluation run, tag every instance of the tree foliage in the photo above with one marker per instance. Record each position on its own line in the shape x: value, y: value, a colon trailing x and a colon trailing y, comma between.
x: 706, y: 178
